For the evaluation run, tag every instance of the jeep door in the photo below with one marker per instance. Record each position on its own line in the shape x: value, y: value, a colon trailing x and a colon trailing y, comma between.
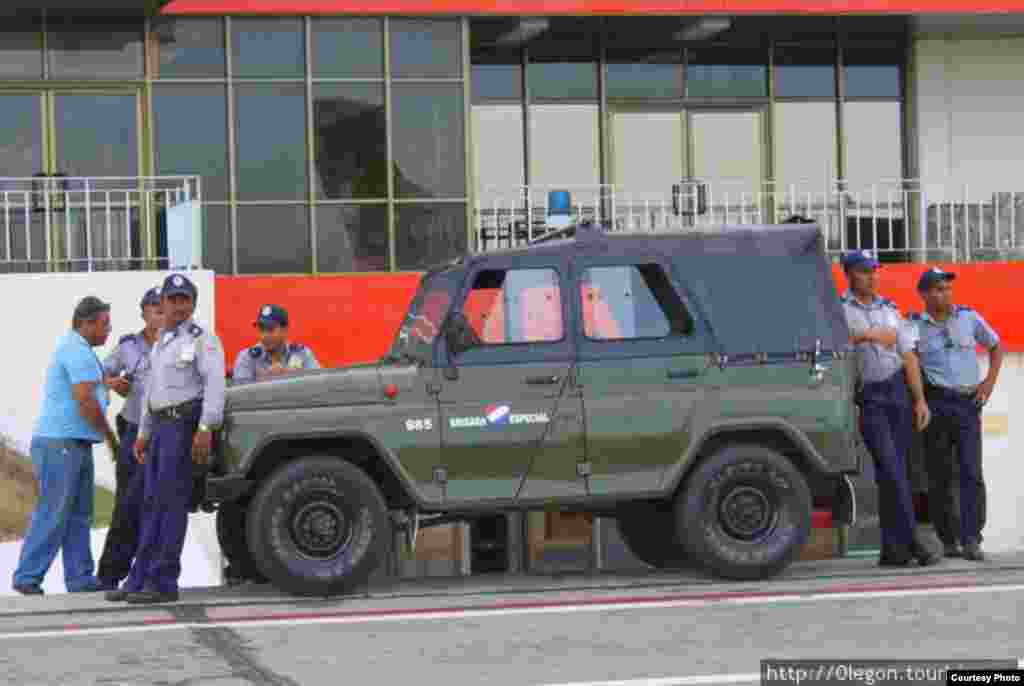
x: 502, y: 401
x: 641, y: 363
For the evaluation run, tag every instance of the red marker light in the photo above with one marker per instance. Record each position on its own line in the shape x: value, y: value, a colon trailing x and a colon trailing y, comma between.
x: 391, y: 390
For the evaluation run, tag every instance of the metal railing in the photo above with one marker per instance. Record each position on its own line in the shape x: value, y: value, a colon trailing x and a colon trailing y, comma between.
x: 61, y: 224
x: 901, y: 220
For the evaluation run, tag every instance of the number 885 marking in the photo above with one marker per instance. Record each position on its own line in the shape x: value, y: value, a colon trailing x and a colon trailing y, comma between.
x: 425, y: 424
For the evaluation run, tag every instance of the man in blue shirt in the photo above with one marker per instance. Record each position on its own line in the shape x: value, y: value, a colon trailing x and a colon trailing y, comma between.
x: 73, y: 418
x: 948, y: 338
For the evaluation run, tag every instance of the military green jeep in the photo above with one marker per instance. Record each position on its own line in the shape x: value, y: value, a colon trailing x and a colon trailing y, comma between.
x: 698, y: 388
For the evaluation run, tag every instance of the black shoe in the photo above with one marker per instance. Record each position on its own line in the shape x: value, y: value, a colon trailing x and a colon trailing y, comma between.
x: 895, y: 556
x: 151, y: 597
x: 972, y: 551
x: 925, y: 557
x: 108, y: 585
x: 29, y: 589
x: 952, y: 550
x: 116, y: 596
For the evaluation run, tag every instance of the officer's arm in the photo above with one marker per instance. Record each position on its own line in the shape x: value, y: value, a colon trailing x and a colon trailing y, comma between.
x: 987, y: 336
x: 211, y: 369
x: 114, y: 364
x: 145, y: 422
x: 242, y: 370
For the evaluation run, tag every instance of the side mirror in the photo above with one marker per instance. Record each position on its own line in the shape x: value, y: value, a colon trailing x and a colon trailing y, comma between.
x: 459, y: 334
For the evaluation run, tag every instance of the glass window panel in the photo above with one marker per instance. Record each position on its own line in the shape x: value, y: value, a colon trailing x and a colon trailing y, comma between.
x: 645, y: 80
x: 21, y: 49
x: 647, y: 157
x: 96, y: 135
x: 497, y: 82
x: 498, y: 153
x: 351, y: 141
x: 803, y: 71
x: 563, y: 61
x: 352, y: 238
x: 190, y: 134
x: 92, y: 49
x: 563, y: 80
x: 274, y: 239
x: 429, y: 142
x: 347, y: 48
x: 271, y: 141
x: 428, y: 234
x: 630, y: 302
x: 874, y: 145
x: 873, y: 71
x: 515, y: 306
x: 190, y: 47
x: 564, y: 146
x: 805, y: 151
x: 217, y: 238
x: 426, y: 48
x: 267, y: 48
x: 21, y: 141
x: 733, y: 72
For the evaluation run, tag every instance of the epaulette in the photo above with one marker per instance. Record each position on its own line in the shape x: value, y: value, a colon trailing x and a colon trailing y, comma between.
x: 195, y: 330
x: 296, y: 347
x: 129, y: 337
x: 964, y: 308
x: 888, y: 303
x: 914, y: 316
x: 256, y: 351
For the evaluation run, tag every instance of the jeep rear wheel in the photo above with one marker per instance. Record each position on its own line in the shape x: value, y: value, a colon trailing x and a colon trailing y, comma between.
x: 744, y: 513
x: 649, y: 531
x: 318, y: 526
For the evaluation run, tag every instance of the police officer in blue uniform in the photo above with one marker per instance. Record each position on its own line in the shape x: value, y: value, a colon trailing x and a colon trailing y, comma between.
x: 182, y: 407
x: 127, y: 369
x: 274, y: 354
x: 948, y: 335
x: 886, y: 367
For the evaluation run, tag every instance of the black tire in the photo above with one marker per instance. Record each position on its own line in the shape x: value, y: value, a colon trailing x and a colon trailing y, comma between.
x: 231, y: 524
x: 337, y: 496
x: 744, y: 513
x: 649, y: 531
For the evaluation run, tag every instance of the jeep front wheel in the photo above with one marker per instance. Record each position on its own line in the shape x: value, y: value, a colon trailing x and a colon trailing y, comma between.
x: 649, y: 531
x: 318, y: 526
x: 744, y: 513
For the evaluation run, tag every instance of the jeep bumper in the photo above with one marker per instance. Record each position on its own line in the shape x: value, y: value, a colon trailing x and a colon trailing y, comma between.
x: 224, y: 489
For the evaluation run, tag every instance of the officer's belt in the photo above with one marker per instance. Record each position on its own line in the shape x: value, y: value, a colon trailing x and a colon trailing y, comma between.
x: 183, y: 411
x: 951, y: 391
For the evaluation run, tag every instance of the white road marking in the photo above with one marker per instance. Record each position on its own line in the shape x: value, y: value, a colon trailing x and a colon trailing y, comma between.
x: 611, y: 606
x: 708, y: 680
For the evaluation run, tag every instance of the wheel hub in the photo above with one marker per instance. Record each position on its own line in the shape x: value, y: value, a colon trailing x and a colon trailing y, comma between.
x: 746, y: 513
x: 320, y: 528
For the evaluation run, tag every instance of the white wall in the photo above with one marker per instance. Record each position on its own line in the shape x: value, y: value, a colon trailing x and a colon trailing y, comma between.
x: 970, y: 96
x: 39, y: 307
x: 1002, y: 467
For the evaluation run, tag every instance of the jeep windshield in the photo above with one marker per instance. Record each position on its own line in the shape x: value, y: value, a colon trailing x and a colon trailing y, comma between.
x: 422, y: 323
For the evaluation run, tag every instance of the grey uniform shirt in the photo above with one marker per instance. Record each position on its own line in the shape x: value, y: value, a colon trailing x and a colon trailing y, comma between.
x: 187, y: 363
x: 877, y: 362
x: 131, y: 356
x: 253, y: 362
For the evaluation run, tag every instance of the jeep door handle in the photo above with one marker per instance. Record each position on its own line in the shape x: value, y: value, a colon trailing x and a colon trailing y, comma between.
x: 683, y: 373
x: 542, y: 380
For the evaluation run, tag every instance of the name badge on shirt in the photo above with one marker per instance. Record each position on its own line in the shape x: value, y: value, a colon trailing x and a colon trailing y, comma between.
x: 187, y: 355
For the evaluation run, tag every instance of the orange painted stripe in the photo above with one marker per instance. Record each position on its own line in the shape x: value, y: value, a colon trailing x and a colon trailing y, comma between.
x: 353, y: 318
x: 588, y: 7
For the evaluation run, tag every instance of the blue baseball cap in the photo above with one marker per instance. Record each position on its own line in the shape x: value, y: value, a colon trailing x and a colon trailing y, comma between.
x: 152, y: 297
x: 272, y: 315
x: 933, y: 276
x: 178, y: 284
x: 859, y: 258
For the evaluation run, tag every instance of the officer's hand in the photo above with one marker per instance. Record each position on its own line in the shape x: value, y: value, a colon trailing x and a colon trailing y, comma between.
x: 884, y: 336
x: 119, y: 385
x: 201, y: 446
x: 140, y: 450
x: 922, y: 415
x: 983, y: 393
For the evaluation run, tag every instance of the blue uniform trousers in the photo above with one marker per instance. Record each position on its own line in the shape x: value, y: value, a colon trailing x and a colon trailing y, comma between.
x: 123, y: 536
x: 886, y: 424
x: 957, y: 419
x: 166, y: 494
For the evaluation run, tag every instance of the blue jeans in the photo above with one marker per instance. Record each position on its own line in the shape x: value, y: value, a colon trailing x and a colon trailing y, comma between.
x: 63, y: 516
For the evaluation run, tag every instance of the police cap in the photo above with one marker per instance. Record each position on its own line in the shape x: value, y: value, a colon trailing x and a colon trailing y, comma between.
x: 933, y: 276
x: 178, y: 284
x: 859, y: 258
x: 272, y: 315
x: 152, y: 297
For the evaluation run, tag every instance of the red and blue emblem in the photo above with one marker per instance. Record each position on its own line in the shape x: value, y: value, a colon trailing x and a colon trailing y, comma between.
x: 497, y: 414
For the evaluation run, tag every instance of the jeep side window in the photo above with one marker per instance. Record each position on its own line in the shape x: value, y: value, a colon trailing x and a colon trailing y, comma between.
x: 509, y: 306
x: 624, y: 302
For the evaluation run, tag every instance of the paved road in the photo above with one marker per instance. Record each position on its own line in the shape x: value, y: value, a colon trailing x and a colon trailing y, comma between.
x: 657, y: 629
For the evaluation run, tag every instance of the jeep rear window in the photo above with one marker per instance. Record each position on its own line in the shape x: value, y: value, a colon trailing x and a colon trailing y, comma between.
x: 624, y: 302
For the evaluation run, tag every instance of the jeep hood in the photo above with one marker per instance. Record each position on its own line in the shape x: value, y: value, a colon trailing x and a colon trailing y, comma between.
x: 318, y: 387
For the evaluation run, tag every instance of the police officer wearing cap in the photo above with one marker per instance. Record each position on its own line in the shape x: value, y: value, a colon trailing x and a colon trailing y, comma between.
x: 886, y: 366
x: 273, y: 355
x: 127, y: 369
x: 182, y: 406
x: 947, y: 338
